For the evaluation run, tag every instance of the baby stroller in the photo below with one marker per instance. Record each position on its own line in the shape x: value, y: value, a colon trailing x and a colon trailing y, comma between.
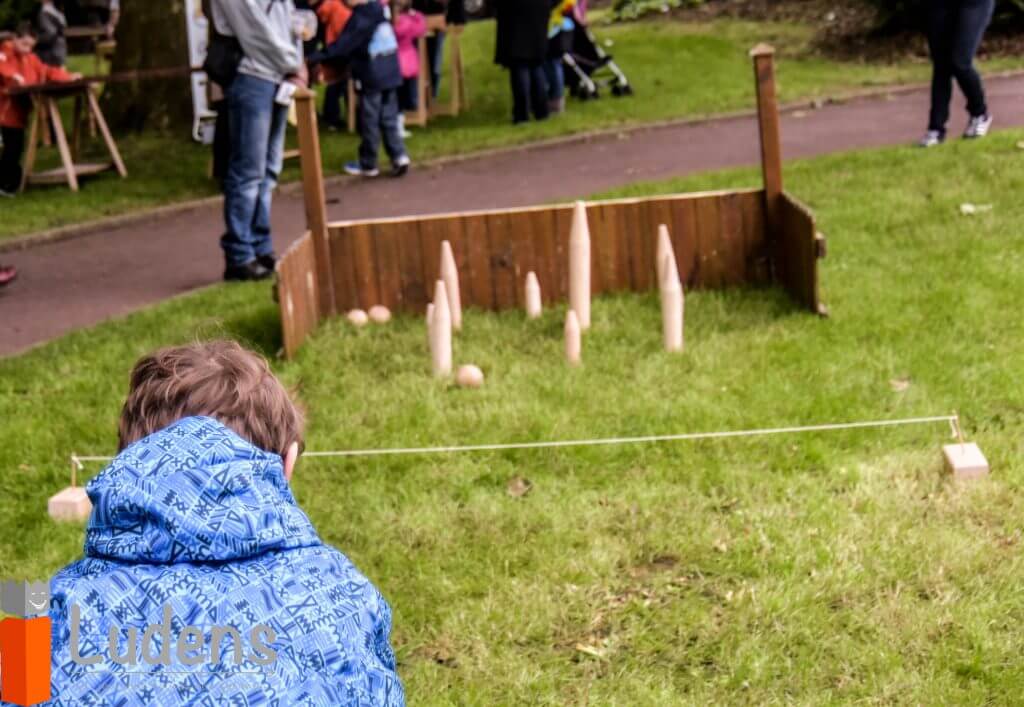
x: 588, y: 68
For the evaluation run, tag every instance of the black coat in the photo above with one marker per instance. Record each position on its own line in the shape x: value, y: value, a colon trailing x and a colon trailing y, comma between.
x: 522, y: 31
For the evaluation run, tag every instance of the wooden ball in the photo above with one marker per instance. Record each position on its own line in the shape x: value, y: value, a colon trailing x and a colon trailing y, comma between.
x: 358, y: 317
x: 380, y: 314
x: 469, y: 376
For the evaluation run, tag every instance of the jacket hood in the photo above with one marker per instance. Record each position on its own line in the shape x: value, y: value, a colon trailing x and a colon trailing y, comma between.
x: 193, y: 492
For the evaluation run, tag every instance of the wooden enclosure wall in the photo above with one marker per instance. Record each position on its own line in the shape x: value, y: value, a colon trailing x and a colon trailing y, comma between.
x: 297, y: 293
x: 797, y: 248
x: 719, y: 239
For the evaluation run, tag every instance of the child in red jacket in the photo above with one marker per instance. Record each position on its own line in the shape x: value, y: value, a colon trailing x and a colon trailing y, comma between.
x: 19, y: 67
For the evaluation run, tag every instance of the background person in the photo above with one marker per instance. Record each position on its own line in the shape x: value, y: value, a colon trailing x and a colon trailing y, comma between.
x: 51, y: 44
x: 522, y: 48
x: 19, y: 66
x: 104, y: 13
x: 333, y: 16
x: 410, y: 26
x: 272, y: 55
x: 369, y: 44
x: 955, y: 29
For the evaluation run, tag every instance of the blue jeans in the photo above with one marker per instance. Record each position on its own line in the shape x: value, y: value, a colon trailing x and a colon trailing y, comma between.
x: 529, y: 92
x: 955, y: 30
x: 555, y: 73
x: 435, y: 55
x: 378, y: 114
x: 256, y: 125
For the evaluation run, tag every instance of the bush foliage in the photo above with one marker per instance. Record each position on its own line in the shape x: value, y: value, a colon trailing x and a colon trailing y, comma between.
x: 11, y: 11
x: 892, y: 14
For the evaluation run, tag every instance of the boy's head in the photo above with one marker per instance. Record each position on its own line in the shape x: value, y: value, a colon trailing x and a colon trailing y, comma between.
x: 217, y: 379
x: 24, y: 38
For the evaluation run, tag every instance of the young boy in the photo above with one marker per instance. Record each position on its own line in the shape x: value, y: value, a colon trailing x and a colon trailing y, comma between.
x: 368, y: 43
x: 333, y: 15
x: 203, y: 581
x: 19, y: 67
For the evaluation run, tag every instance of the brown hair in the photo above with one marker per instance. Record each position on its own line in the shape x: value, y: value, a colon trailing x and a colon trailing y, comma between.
x: 217, y: 379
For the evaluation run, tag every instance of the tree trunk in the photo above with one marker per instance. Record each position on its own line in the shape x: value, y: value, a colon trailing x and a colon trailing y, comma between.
x: 151, y: 35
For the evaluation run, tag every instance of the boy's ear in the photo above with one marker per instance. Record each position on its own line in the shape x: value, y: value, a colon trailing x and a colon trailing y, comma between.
x: 289, y: 461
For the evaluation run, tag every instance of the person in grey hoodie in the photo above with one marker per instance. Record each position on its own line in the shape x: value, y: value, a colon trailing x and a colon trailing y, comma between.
x: 51, y: 45
x: 272, y: 56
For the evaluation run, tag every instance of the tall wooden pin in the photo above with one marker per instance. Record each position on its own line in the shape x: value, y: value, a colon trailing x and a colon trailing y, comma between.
x: 573, y: 343
x: 664, y: 249
x: 430, y: 324
x: 579, y: 266
x: 450, y: 275
x: 441, y: 332
x: 534, y: 307
x: 672, y: 304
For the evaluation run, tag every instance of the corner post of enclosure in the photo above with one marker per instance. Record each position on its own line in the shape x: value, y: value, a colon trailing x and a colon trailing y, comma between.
x: 768, y: 125
x: 315, y: 197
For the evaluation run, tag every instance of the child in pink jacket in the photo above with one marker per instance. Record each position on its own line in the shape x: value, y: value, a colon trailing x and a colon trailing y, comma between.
x: 410, y: 26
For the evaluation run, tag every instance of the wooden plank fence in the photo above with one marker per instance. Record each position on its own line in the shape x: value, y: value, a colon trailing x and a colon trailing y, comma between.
x: 297, y: 293
x: 721, y: 239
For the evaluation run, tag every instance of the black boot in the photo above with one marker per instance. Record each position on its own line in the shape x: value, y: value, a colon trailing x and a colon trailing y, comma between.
x: 247, y: 272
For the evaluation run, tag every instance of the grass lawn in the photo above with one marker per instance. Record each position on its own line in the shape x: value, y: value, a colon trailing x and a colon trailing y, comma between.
x: 799, y: 570
x: 677, y: 69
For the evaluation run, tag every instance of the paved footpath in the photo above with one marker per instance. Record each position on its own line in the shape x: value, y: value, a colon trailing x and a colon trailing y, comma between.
x: 79, y: 282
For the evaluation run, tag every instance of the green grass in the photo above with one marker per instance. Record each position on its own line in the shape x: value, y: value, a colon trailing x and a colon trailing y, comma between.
x: 678, y: 70
x: 816, y: 569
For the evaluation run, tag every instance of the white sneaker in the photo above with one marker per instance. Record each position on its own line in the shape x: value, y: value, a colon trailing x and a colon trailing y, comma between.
x: 978, y: 126
x: 932, y: 138
x: 6, y: 194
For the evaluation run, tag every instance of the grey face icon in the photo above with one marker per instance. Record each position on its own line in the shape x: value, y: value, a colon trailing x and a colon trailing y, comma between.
x: 25, y: 599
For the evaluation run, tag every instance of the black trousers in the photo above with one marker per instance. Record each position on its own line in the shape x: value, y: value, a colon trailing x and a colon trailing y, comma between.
x: 529, y: 92
x: 10, y: 158
x: 955, y: 29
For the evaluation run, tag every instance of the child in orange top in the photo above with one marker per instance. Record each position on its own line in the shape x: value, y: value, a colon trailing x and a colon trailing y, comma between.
x: 333, y: 16
x: 20, y: 67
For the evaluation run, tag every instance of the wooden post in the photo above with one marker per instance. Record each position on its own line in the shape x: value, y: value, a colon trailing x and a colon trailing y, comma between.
x: 315, y: 198
x: 768, y: 123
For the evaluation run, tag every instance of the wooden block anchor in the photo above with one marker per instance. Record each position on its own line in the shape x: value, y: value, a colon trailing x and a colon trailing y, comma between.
x: 965, y: 461
x: 71, y: 504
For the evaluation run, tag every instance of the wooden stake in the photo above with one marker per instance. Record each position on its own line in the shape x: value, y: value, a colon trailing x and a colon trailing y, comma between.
x: 534, y: 306
x: 573, y: 343
x: 768, y: 124
x: 450, y: 275
x: 579, y: 266
x: 441, y: 332
x: 315, y: 198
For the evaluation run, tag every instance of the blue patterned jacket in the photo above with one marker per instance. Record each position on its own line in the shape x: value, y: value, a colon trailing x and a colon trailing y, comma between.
x: 197, y: 519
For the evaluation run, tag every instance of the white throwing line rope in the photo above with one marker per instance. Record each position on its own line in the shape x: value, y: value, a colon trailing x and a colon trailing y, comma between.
x: 953, y: 420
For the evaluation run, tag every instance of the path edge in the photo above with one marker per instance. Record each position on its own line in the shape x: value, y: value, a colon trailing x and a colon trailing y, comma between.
x: 89, y: 228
